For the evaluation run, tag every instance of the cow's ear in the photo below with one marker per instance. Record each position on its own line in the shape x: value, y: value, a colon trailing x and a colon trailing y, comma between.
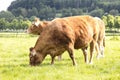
x: 37, y: 22
x: 31, y: 49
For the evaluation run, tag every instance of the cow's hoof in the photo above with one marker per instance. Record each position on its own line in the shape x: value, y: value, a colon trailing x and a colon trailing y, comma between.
x: 91, y: 63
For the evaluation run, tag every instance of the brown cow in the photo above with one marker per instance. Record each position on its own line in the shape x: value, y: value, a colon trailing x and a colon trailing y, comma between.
x: 37, y: 27
x: 66, y: 34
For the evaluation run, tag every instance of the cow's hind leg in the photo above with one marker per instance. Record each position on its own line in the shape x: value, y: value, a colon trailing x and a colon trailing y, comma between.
x: 97, y: 46
x: 85, y: 53
x: 53, y: 59
x: 92, y: 49
x: 101, y: 45
x: 60, y: 57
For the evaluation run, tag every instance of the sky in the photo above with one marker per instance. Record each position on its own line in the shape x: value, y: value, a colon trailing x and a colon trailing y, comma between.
x: 4, y: 4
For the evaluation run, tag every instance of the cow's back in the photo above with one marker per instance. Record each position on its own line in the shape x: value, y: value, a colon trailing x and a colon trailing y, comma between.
x: 101, y: 28
x: 84, y: 28
x: 78, y: 29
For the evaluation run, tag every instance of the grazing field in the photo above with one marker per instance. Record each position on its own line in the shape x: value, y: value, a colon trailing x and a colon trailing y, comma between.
x: 14, y: 62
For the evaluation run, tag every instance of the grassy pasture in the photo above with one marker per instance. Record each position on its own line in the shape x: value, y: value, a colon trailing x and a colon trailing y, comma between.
x: 14, y: 62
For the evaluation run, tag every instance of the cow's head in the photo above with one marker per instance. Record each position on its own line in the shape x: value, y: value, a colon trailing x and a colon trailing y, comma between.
x: 35, y: 57
x: 34, y: 28
x: 37, y: 26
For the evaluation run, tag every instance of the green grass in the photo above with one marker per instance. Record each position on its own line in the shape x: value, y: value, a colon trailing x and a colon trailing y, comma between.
x: 14, y: 63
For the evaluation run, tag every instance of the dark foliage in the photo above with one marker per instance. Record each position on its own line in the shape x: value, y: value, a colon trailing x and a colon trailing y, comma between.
x: 48, y: 9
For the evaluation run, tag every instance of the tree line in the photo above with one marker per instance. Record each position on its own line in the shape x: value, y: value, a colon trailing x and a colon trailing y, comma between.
x: 15, y: 23
x: 9, y: 21
x: 49, y: 9
x: 111, y: 22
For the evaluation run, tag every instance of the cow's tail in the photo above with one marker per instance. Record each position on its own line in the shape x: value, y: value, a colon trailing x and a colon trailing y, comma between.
x: 102, y: 49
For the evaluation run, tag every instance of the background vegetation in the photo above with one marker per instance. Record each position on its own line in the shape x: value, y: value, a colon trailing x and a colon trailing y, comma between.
x: 46, y: 9
x: 21, y: 12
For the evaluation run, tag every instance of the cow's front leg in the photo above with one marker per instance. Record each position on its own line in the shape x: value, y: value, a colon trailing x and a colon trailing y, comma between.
x: 71, y: 54
x: 53, y: 59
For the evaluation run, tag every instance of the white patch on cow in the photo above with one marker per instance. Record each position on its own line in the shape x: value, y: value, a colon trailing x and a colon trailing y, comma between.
x: 33, y: 52
x: 37, y: 23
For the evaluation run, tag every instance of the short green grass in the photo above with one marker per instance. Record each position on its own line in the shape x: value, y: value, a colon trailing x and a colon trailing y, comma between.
x: 14, y: 63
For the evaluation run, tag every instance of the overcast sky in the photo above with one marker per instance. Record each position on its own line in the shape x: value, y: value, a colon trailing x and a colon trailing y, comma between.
x: 4, y: 4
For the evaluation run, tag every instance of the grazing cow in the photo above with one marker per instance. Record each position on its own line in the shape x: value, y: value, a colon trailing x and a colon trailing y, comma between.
x: 63, y: 34
x: 37, y: 27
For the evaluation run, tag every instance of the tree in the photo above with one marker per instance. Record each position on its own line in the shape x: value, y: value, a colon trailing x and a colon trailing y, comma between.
x: 117, y: 22
x: 7, y: 15
x: 25, y: 24
x: 2, y: 23
x: 114, y: 12
x: 24, y: 12
x: 76, y: 12
x: 14, y: 24
x: 47, y: 13
x: 104, y: 18
x: 97, y: 12
x: 110, y: 21
x: 32, y: 12
x: 32, y: 18
x: 66, y: 12
x: 47, y: 9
